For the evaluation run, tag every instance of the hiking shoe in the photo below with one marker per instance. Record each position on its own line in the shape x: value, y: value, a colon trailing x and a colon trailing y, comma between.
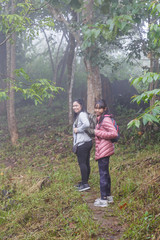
x: 78, y: 185
x: 83, y: 187
x: 100, y: 203
x: 110, y: 199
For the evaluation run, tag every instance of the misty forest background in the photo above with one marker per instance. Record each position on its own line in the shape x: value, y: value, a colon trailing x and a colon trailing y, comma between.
x: 51, y: 53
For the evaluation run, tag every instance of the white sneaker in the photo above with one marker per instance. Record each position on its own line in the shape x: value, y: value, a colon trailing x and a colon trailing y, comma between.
x: 98, y: 199
x: 100, y: 203
x: 110, y: 199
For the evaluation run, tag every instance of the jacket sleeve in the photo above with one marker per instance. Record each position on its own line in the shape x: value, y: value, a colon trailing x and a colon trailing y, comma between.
x: 107, y: 130
x: 84, y: 122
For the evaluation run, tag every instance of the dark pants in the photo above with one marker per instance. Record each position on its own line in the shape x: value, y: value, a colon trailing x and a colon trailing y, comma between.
x: 83, y: 155
x: 105, y: 180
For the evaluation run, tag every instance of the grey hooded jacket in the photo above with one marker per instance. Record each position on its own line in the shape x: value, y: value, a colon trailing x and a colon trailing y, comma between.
x: 81, y: 123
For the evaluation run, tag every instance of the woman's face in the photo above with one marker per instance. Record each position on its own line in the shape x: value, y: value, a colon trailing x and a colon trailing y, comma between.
x: 76, y: 107
x: 98, y: 111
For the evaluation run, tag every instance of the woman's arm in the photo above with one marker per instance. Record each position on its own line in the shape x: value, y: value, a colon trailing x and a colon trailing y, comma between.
x: 84, y: 120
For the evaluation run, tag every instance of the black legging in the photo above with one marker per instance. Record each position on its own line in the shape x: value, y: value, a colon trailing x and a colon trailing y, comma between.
x: 105, y: 180
x: 83, y: 155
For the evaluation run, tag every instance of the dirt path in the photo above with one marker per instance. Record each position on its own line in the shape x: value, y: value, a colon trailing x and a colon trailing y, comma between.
x: 111, y: 228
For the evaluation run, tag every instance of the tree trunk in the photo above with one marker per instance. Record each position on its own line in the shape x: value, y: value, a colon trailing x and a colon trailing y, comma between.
x: 107, y: 92
x: 70, y: 92
x: 62, y: 66
x: 94, y: 89
x: 3, y: 67
x: 156, y: 70
x: 49, y: 50
x: 57, y: 60
x: 151, y: 86
x: 71, y: 71
x: 11, y: 66
x: 94, y: 86
x: 154, y: 67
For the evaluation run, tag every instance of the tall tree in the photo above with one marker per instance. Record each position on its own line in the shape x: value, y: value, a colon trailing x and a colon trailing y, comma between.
x: 94, y: 89
x: 71, y: 64
x: 15, y: 20
x: 3, y: 68
x: 94, y: 86
x: 71, y: 52
x: 11, y: 66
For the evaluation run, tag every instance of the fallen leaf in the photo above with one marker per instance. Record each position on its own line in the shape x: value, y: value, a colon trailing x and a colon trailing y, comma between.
x: 123, y: 206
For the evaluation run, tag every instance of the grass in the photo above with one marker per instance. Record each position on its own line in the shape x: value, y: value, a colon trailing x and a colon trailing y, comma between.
x: 37, y: 195
x: 54, y: 211
x: 137, y: 189
x: 32, y: 208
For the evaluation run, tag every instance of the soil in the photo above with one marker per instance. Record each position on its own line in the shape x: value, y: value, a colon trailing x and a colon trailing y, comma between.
x: 108, y: 221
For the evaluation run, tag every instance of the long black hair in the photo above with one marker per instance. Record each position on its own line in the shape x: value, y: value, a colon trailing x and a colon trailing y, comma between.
x: 83, y: 109
x: 102, y: 104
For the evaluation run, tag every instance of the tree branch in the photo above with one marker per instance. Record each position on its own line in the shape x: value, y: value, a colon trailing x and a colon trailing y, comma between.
x: 59, y: 17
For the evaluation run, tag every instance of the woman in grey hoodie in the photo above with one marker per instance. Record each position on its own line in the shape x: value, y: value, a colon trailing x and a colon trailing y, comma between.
x: 83, y: 143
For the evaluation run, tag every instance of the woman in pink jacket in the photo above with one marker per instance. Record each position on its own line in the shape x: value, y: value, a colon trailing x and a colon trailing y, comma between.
x: 104, y: 148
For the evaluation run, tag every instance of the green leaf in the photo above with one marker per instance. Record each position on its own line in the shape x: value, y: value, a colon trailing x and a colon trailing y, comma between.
x: 123, y: 24
x: 111, y: 25
x: 154, y: 119
x: 137, y: 123
x: 149, y: 118
x: 156, y: 76
x: 158, y: 7
x: 96, y: 32
x: 3, y: 95
x: 156, y: 111
x: 146, y: 119
x: 150, y: 79
x: 133, y: 123
x: 98, y: 2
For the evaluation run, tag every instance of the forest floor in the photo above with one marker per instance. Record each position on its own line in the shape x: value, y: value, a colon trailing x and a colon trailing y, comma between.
x: 37, y: 177
x: 111, y: 228
x: 107, y: 219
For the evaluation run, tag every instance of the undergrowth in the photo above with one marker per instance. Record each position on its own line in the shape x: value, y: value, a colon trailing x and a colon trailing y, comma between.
x: 37, y: 195
x: 137, y: 191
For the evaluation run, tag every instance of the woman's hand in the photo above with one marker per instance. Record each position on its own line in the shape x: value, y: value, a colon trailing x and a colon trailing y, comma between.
x: 75, y: 130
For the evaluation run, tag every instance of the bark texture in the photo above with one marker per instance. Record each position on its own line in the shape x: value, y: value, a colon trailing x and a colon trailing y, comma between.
x: 3, y: 67
x: 11, y: 66
x: 154, y: 67
x: 94, y: 88
x: 71, y: 65
x: 107, y: 92
x: 94, y: 85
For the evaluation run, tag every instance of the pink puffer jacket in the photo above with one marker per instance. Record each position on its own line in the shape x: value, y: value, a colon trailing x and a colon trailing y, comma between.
x: 103, y: 133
